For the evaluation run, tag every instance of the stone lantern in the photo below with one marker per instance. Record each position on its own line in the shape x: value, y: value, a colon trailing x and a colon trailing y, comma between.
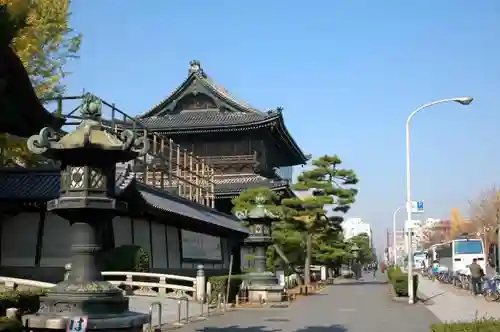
x: 88, y: 197
x: 263, y: 285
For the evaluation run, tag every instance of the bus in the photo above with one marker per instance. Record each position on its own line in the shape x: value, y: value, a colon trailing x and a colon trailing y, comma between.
x: 458, y: 254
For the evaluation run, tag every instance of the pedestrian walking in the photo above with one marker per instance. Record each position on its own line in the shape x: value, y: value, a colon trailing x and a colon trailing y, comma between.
x: 477, y: 274
x: 435, y: 270
x: 375, y: 268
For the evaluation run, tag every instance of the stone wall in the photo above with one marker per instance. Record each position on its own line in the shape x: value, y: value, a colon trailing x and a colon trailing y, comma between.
x: 20, y: 235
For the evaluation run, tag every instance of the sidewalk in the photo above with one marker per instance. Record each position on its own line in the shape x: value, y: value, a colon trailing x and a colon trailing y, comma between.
x: 454, y: 305
x: 359, y: 306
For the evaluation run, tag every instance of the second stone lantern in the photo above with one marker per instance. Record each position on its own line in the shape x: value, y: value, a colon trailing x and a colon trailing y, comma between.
x: 263, y: 285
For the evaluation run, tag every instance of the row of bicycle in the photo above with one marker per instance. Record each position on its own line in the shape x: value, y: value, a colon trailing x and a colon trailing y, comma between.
x: 490, y: 286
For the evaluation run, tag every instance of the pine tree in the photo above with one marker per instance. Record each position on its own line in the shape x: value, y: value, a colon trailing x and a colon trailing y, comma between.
x: 328, y: 186
x: 289, y: 240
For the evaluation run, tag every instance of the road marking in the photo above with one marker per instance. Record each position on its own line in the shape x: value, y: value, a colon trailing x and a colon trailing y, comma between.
x: 347, y: 310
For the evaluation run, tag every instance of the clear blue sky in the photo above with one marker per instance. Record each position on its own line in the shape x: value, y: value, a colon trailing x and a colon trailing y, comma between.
x: 347, y: 73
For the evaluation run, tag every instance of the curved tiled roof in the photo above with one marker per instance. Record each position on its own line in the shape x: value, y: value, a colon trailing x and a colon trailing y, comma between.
x: 242, y: 117
x: 197, y: 72
x: 42, y: 185
x: 205, y: 119
x: 232, y: 185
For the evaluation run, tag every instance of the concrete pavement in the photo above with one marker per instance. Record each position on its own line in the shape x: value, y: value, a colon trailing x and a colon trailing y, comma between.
x: 169, y: 308
x: 361, y: 306
x: 450, y: 304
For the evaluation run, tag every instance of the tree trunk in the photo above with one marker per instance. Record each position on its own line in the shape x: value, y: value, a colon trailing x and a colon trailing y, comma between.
x: 307, y: 265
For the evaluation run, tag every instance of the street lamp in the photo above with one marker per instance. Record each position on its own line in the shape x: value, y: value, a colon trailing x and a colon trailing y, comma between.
x: 460, y: 100
x: 394, y: 250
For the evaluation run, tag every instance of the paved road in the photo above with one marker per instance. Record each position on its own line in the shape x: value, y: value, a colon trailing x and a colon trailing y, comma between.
x: 357, y: 307
x: 169, y: 308
x: 450, y: 304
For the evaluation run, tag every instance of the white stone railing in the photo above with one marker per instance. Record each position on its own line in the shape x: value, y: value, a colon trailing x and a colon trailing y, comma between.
x: 134, y: 283
x: 10, y: 283
x: 163, y: 282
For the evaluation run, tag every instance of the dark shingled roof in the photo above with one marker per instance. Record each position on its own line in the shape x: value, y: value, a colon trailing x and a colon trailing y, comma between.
x: 240, y: 117
x: 205, y: 119
x: 196, y: 73
x: 232, y: 185
x: 43, y: 185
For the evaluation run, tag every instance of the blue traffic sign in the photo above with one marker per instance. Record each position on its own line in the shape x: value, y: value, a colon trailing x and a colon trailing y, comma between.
x: 417, y: 207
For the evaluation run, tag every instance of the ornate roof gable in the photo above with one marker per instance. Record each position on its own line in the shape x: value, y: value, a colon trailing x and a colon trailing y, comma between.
x: 199, y: 91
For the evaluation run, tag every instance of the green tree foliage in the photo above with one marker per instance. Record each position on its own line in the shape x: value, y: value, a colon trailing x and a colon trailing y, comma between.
x: 43, y: 40
x: 39, y: 32
x: 330, y: 186
x: 330, y: 249
x: 288, y: 239
x: 362, y: 241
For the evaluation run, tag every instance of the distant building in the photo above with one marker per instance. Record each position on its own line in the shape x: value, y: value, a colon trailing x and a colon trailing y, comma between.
x: 400, y: 243
x: 414, y: 226
x: 355, y: 226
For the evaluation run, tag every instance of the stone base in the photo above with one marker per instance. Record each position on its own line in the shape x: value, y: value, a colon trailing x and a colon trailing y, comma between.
x: 128, y: 321
x: 265, y: 293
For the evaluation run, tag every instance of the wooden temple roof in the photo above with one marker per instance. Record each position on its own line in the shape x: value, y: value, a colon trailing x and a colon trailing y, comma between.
x: 225, y: 114
x: 233, y: 184
x: 21, y: 184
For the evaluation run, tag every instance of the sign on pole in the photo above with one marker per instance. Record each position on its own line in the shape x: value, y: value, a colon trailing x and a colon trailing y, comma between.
x: 417, y: 207
x: 78, y: 324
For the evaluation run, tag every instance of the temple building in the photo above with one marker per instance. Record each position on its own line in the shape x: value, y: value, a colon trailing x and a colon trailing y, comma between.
x: 206, y: 148
x: 246, y: 147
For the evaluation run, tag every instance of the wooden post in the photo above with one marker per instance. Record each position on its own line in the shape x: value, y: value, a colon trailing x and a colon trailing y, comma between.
x: 190, y: 176
x: 162, y: 171
x: 145, y: 173
x: 197, y: 181
x: 184, y: 167
x: 170, y: 157
x: 154, y: 166
x: 212, y: 187
x: 178, y: 168
x: 205, y: 198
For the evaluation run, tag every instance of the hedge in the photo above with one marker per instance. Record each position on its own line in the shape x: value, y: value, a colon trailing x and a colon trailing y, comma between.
x: 10, y: 325
x: 478, y: 325
x: 26, y: 301
x: 399, y: 283
x: 127, y: 257
x: 393, y: 270
x: 219, y: 286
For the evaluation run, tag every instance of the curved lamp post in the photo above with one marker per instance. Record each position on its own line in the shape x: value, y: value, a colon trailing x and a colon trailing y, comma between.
x: 460, y: 100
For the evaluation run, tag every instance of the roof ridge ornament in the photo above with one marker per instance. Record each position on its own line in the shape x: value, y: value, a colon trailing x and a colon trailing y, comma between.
x: 195, y: 67
x: 91, y: 107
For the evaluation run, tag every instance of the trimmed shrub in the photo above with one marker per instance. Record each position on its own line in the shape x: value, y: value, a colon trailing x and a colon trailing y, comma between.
x: 399, y: 283
x: 26, y: 301
x: 478, y: 325
x: 219, y: 286
x: 10, y: 325
x: 127, y: 257
x: 393, y: 270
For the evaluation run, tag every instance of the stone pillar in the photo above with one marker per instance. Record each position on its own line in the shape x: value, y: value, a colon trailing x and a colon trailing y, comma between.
x: 200, y: 284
